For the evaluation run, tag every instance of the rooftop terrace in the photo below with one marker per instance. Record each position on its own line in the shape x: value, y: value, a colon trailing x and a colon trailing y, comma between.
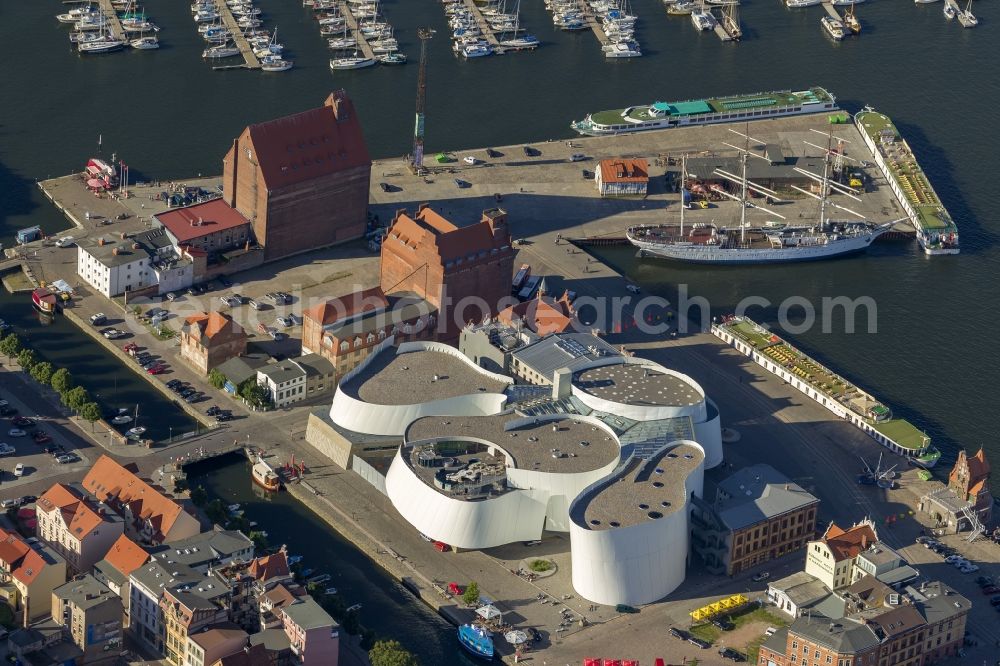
x: 417, y: 377
x: 635, y: 384
x: 645, y: 490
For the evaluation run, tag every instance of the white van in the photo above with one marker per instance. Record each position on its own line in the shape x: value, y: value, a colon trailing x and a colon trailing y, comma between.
x: 65, y: 241
x: 577, y: 157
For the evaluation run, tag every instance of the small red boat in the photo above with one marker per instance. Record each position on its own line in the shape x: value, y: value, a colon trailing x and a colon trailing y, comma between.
x: 44, y: 301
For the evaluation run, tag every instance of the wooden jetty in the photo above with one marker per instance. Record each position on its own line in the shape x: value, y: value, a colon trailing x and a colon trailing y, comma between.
x: 594, y: 24
x: 484, y: 25
x: 352, y: 23
x: 112, y: 21
x: 832, y: 11
x: 249, y: 58
x: 721, y: 32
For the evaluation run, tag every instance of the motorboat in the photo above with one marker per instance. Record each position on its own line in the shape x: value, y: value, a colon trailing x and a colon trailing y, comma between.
x: 833, y: 27
x: 702, y: 20
x: 221, y: 51
x: 622, y: 50
x: 75, y: 15
x: 394, y: 58
x: 122, y: 417
x: 476, y: 50
x: 681, y: 8
x: 476, y: 641
x: 949, y: 11
x: 207, y: 16
x: 384, y: 46
x: 145, y: 43
x: 140, y: 26
x: 795, y: 4
x: 274, y: 63
x: 354, y: 62
x: 268, y: 50
x: 136, y: 432
x: 342, y: 43
x: 265, y: 476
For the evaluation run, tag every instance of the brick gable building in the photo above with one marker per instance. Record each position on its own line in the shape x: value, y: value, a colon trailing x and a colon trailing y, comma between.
x: 464, y: 272
x: 970, y: 479
x: 301, y: 180
x: 210, y: 339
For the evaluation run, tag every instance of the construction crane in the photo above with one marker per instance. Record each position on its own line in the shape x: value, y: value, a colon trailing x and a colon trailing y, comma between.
x: 418, y: 127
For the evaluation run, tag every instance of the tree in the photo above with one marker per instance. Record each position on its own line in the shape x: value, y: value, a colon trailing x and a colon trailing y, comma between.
x: 90, y: 411
x: 259, y: 539
x: 26, y: 359
x: 391, y: 653
x: 199, y: 497
x: 216, y: 512
x: 254, y: 394
x: 75, y: 398
x: 471, y: 594
x: 61, y: 381
x: 42, y: 372
x: 216, y: 379
x: 10, y: 345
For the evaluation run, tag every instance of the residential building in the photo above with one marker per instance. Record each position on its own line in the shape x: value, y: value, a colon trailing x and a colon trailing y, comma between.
x: 146, y: 588
x: 884, y: 564
x: 251, y: 655
x: 796, y: 593
x: 76, y: 526
x: 314, y: 635
x: 188, y: 610
x: 622, y: 177
x: 321, y: 375
x: 212, y: 227
x: 92, y: 614
x: 151, y: 517
x: 284, y: 381
x: 209, y: 339
x: 465, y: 273
x: 345, y: 330
x: 301, y: 180
x: 44, y: 643
x: 240, y: 369
x: 543, y: 314
x: 831, y: 558
x: 144, y: 264
x: 124, y: 557
x: 809, y: 641
x: 758, y: 515
x: 210, y: 645
x: 202, y: 551
x: 28, y: 574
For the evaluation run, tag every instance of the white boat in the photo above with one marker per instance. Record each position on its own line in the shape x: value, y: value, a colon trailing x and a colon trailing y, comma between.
x: 207, y: 16
x: 122, y: 417
x: 845, y: 3
x: 342, y: 43
x: 833, y: 27
x: 622, y: 50
x: 75, y: 15
x: 949, y: 11
x: 221, y: 51
x: 384, y: 46
x: 476, y: 50
x: 681, y: 8
x: 136, y: 432
x: 702, y: 20
x: 522, y: 42
x: 354, y: 62
x: 105, y: 44
x: 394, y: 58
x: 967, y: 18
x: 140, y: 26
x: 924, y: 2
x: 145, y: 43
x: 275, y: 63
x: 802, y: 3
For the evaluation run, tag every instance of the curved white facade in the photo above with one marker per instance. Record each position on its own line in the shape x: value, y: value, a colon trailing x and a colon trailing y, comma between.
x: 373, y: 419
x: 637, y: 564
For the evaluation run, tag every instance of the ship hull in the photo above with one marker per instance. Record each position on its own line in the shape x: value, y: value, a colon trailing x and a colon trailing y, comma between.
x: 701, y: 254
x: 666, y: 124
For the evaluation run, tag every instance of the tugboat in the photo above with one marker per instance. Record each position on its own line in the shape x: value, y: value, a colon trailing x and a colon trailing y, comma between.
x: 44, y: 301
x: 476, y: 641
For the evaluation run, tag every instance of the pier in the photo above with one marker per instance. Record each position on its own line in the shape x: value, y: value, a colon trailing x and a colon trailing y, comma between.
x: 112, y: 21
x: 249, y: 58
x: 832, y: 11
x: 352, y: 23
x: 721, y: 32
x: 594, y: 24
x: 483, y: 24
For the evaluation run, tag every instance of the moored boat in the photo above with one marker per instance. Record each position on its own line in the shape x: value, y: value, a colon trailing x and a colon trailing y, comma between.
x: 394, y: 58
x: 44, y: 301
x: 833, y: 27
x: 476, y: 641
x: 136, y: 432
x: 354, y: 62
x: 264, y: 475
x: 145, y: 43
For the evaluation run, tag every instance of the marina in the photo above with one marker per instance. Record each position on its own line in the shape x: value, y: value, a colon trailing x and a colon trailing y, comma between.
x: 362, y: 51
x: 842, y: 397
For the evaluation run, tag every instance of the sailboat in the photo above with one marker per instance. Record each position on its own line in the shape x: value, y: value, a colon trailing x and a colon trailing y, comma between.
x: 851, y: 20
x: 137, y: 431
x: 731, y: 22
x: 516, y: 42
x: 773, y: 242
x: 702, y: 19
x: 967, y: 18
x: 357, y: 61
x: 106, y: 43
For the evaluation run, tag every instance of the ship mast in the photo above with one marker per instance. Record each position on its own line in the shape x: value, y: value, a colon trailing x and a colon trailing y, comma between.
x: 826, y: 184
x: 746, y: 186
x: 684, y: 173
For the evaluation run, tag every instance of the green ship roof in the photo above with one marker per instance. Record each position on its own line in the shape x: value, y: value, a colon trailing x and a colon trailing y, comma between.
x: 903, y: 433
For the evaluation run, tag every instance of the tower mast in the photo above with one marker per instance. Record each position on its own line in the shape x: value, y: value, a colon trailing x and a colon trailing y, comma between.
x: 418, y: 126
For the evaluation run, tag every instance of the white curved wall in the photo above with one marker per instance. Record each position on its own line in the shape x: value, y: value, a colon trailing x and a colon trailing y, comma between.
x: 709, y: 435
x: 353, y: 414
x: 638, y: 564
x: 697, y: 412
x: 557, y: 490
x: 517, y: 515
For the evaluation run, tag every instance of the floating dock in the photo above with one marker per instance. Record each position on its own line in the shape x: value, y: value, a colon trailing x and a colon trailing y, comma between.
x: 352, y: 23
x: 594, y: 24
x: 832, y: 11
x: 484, y: 25
x: 250, y: 60
x: 937, y: 233
x: 113, y: 22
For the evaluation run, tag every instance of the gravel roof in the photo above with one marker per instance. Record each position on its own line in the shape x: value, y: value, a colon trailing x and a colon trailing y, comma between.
x: 532, y: 445
x: 635, y: 384
x: 406, y: 379
x: 644, y: 490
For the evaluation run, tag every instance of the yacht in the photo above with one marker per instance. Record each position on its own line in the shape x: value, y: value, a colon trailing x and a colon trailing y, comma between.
x: 967, y: 18
x: 394, y: 58
x: 383, y: 46
x: 75, y: 15
x: 833, y: 27
x: 702, y: 19
x: 845, y: 3
x: 342, y: 43
x: 622, y: 50
x: 354, y: 62
x: 265, y: 476
x: 104, y: 44
x: 949, y: 11
x: 275, y: 63
x: 221, y: 51
x: 522, y: 42
x: 924, y: 2
x: 681, y: 8
x: 136, y: 432
x: 145, y: 43
x: 476, y: 50
x: 802, y: 3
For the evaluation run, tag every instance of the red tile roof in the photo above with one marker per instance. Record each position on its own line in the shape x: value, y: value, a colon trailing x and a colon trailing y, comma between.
x: 848, y: 544
x: 31, y: 566
x: 80, y: 517
x: 346, y: 306
x: 311, y: 144
x: 542, y: 315
x: 112, y: 483
x: 212, y: 324
x: 624, y: 171
x: 428, y: 228
x: 12, y: 548
x: 201, y: 219
x: 126, y: 555
x: 270, y: 566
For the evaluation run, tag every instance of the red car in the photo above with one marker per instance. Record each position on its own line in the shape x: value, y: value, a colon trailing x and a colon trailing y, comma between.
x: 41, y: 438
x: 130, y: 347
x: 991, y: 589
x: 157, y: 369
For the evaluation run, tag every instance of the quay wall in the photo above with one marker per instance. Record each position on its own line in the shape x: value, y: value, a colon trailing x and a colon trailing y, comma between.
x: 835, y: 407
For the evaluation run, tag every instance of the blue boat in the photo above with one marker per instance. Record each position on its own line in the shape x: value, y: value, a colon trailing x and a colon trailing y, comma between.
x: 476, y: 641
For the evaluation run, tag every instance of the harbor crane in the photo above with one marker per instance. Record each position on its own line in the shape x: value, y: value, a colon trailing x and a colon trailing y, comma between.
x: 417, y: 165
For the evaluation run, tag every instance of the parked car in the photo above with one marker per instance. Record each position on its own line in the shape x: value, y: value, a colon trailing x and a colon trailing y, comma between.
x: 951, y: 559
x: 762, y: 576
x: 12, y: 503
x: 157, y: 370
x: 770, y: 631
x: 462, y: 184
x: 731, y: 654
x: 286, y: 321
x: 222, y: 418
x: 493, y: 154
x: 277, y: 336
x: 28, y: 499
x: 194, y: 397
x: 991, y: 589
x: 625, y: 608
x: 112, y: 333
x: 65, y: 241
x: 41, y: 437
x: 65, y: 458
x: 19, y: 470
x: 16, y: 432
x: 22, y: 422
x: 7, y: 450
x: 98, y: 319
x: 704, y: 645
x: 577, y: 157
x: 723, y: 623
x: 254, y: 304
x: 7, y: 410
x: 679, y: 633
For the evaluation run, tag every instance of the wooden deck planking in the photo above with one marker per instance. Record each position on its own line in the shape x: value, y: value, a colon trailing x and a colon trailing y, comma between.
x: 228, y: 20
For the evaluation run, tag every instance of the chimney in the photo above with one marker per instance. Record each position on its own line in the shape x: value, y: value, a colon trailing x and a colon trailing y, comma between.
x: 115, y: 251
x: 101, y: 241
x: 864, y: 541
